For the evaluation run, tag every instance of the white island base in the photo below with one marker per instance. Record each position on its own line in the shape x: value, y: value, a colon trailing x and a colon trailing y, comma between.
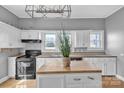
x: 69, y: 80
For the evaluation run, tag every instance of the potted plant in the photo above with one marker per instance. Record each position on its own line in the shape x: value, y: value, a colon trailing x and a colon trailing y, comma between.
x: 65, y: 47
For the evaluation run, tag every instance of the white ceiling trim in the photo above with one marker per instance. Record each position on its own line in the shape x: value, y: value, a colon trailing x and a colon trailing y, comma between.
x: 78, y: 11
x: 113, y: 11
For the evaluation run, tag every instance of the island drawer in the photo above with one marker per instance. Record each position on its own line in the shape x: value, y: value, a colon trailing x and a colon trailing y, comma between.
x: 91, y: 78
x: 73, y: 78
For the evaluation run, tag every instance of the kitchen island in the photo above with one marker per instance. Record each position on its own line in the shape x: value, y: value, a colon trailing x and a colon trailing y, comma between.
x: 80, y: 74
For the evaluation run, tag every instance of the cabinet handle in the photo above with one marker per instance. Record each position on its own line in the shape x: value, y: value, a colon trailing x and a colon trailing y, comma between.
x: 90, y: 78
x: 77, y: 79
x: 105, y: 68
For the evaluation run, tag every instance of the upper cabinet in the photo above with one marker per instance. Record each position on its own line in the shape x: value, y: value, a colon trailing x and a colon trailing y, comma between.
x: 89, y: 40
x: 82, y: 38
x: 30, y: 34
x: 9, y: 36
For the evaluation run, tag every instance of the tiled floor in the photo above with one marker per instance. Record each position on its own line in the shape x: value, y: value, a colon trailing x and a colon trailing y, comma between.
x: 107, y: 82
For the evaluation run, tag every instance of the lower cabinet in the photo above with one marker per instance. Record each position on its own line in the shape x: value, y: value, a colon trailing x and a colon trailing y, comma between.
x: 107, y: 64
x: 50, y: 81
x: 39, y: 62
x: 74, y: 80
x: 11, y: 67
x: 86, y: 80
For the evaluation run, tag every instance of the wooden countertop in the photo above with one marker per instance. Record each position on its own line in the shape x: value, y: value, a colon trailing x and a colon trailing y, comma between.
x: 59, y: 56
x: 17, y: 55
x: 75, y: 67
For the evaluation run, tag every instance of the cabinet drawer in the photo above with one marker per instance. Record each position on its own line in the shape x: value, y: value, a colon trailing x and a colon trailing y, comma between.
x: 92, y: 79
x: 72, y: 79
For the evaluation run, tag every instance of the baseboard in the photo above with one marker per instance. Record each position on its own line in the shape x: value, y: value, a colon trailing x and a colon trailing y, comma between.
x: 4, y: 79
x: 120, y: 77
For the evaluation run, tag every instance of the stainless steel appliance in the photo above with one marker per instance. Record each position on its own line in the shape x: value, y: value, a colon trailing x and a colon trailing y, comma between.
x: 26, y: 65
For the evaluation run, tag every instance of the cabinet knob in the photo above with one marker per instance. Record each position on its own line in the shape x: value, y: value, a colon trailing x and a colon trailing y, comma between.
x: 90, y: 78
x: 77, y: 79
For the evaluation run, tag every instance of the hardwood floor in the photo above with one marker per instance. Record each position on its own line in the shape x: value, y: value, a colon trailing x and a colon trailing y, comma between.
x: 12, y: 83
x: 107, y: 82
x: 112, y: 82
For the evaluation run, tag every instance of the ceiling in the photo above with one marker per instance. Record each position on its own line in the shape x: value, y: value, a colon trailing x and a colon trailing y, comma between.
x: 78, y: 11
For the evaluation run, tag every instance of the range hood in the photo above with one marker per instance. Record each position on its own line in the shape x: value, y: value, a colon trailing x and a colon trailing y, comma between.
x: 31, y: 41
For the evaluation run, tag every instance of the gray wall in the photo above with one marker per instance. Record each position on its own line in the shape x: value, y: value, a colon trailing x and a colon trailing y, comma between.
x: 4, y: 61
x: 115, y: 38
x: 8, y: 17
x: 54, y: 24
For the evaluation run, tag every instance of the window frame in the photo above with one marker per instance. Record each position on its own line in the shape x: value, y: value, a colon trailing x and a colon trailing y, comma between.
x: 101, y: 40
x: 48, y: 48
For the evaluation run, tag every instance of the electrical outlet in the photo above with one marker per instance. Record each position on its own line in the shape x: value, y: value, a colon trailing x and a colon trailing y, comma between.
x: 122, y: 54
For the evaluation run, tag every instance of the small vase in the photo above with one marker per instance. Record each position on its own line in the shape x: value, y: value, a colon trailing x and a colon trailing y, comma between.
x: 66, y: 62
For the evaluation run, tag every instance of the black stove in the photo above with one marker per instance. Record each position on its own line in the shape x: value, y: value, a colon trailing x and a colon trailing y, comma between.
x: 26, y: 65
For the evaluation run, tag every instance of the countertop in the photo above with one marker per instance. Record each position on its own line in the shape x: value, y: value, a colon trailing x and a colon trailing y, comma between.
x: 18, y: 55
x: 59, y: 56
x: 75, y: 67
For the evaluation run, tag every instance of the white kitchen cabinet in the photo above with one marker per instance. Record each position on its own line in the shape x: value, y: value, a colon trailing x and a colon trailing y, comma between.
x: 69, y: 80
x: 9, y: 36
x: 92, y: 80
x: 50, y: 81
x: 86, y: 80
x: 30, y: 34
x: 110, y: 66
x: 74, y: 81
x: 3, y: 68
x: 107, y: 64
x: 39, y: 62
x: 11, y: 66
x: 82, y: 38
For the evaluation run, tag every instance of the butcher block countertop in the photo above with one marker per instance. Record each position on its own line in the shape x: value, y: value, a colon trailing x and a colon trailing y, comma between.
x: 75, y: 67
x: 74, y: 55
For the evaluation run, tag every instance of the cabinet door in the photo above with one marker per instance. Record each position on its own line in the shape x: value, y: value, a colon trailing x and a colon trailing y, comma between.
x: 74, y: 81
x: 9, y: 36
x: 110, y: 66
x: 100, y: 64
x: 30, y: 35
x: 92, y: 80
x: 85, y: 80
x: 82, y: 38
x: 79, y: 39
x: 11, y: 66
x: 39, y: 62
x: 86, y: 38
x: 50, y: 81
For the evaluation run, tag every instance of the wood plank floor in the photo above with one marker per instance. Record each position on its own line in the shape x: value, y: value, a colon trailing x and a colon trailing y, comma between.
x: 107, y: 82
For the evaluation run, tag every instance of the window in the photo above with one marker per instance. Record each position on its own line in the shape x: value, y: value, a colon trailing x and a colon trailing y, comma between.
x: 50, y: 41
x: 96, y: 40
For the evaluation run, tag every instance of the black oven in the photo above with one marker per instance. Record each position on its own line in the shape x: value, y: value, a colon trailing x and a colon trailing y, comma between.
x: 26, y: 68
x: 26, y: 65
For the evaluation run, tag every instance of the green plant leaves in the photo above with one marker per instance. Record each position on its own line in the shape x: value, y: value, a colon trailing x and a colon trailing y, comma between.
x: 64, y: 44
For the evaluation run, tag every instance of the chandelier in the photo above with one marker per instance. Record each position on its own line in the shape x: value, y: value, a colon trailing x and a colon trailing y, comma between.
x: 48, y: 10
